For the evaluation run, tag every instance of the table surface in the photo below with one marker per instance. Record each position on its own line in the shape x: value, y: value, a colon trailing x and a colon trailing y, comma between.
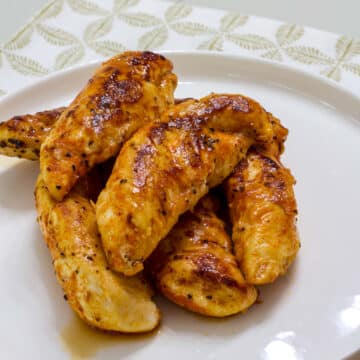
x: 337, y: 16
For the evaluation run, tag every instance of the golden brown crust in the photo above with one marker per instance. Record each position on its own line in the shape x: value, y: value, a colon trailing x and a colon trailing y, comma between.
x: 194, y: 267
x: 166, y: 167
x: 98, y: 296
x: 276, y: 147
x: 263, y: 213
x: 126, y: 92
x: 22, y: 135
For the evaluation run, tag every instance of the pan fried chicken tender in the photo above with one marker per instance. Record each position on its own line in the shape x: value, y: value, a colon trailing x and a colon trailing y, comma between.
x: 159, y: 158
x: 126, y: 92
x: 194, y: 266
x: 98, y: 296
x: 263, y: 213
x: 21, y: 136
x: 276, y: 147
x: 166, y: 167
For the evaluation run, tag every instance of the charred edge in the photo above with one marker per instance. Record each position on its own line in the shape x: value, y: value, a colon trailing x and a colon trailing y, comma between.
x: 51, y: 114
x: 17, y: 143
x: 237, y: 103
x: 157, y: 133
x: 187, y: 123
x: 209, y: 267
x: 214, y: 104
x: 140, y: 166
x: 119, y: 91
x: 36, y: 152
x: 238, y: 172
x: 269, y: 163
x: 145, y: 57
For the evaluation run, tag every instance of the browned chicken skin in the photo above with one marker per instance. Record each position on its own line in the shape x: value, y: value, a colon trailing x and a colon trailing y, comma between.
x: 166, y: 167
x: 22, y: 135
x: 263, y: 212
x: 195, y: 268
x: 98, y: 296
x: 168, y: 162
x: 126, y: 92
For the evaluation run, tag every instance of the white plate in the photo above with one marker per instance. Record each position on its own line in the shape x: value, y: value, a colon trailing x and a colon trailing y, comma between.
x: 312, y: 313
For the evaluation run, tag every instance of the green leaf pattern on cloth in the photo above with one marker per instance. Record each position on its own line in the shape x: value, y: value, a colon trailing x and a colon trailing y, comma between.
x: 153, y: 39
x: 70, y: 32
x: 288, y: 34
x: 95, y: 30
x: 26, y: 65
x: 140, y: 19
x: 21, y: 40
x: 120, y: 5
x: 251, y: 41
x: 107, y: 48
x: 228, y: 23
x: 177, y: 12
x: 56, y: 36
x: 308, y: 55
x: 69, y: 57
x: 189, y: 28
x: 86, y: 7
x: 52, y: 9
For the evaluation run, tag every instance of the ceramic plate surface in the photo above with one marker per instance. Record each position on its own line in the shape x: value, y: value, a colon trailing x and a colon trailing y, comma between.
x: 311, y: 313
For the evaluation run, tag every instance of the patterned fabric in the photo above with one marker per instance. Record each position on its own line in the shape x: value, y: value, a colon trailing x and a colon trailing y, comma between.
x: 69, y: 32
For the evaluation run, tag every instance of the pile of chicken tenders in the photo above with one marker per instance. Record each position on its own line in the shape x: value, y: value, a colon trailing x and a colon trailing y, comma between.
x: 124, y: 201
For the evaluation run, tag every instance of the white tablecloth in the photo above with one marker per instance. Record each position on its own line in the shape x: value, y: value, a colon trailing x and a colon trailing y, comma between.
x: 70, y: 32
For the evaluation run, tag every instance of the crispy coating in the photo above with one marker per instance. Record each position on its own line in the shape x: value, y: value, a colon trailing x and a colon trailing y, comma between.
x: 21, y: 136
x: 101, y: 298
x: 126, y: 92
x: 263, y: 213
x: 166, y: 167
x: 195, y: 268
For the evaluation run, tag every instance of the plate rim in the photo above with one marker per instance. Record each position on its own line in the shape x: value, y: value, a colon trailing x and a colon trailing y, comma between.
x: 192, y: 53
x: 56, y: 76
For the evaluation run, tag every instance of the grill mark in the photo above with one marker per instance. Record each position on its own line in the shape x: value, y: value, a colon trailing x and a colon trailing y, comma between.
x: 209, y: 267
x: 157, y: 133
x: 187, y: 123
x: 144, y: 57
x: 16, y: 142
x: 120, y: 91
x: 238, y: 104
x: 195, y: 120
x: 141, y: 166
x: 269, y: 163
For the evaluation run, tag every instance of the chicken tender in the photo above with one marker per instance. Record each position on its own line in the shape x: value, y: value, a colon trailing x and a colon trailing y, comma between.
x: 263, y: 213
x: 195, y: 268
x: 280, y: 133
x: 98, y: 296
x: 21, y: 136
x: 126, y: 92
x: 166, y: 167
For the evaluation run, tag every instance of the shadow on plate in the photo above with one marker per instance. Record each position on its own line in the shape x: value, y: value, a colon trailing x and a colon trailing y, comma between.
x: 17, y: 185
x: 76, y: 338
